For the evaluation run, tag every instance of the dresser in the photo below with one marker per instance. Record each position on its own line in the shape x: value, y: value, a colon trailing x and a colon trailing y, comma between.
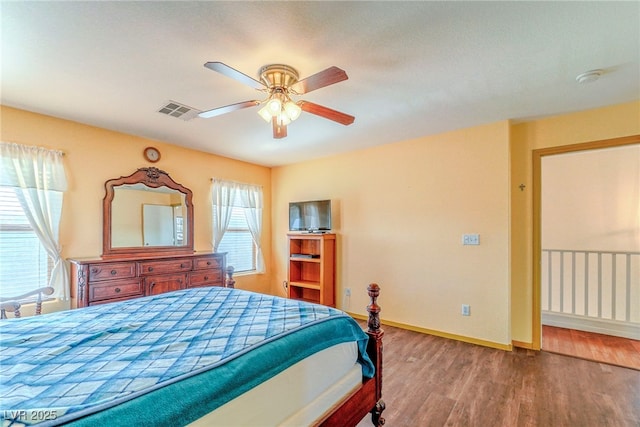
x: 98, y: 281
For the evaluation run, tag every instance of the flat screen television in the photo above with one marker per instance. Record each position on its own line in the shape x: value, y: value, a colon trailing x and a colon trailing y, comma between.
x: 311, y: 216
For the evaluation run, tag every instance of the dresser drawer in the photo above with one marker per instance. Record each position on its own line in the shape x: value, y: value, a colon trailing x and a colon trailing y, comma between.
x: 213, y: 277
x: 165, y: 283
x: 111, y: 271
x: 167, y: 266
x: 115, y: 289
x: 207, y: 262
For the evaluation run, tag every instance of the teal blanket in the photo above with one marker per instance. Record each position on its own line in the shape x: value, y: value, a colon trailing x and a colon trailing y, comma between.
x: 162, y: 360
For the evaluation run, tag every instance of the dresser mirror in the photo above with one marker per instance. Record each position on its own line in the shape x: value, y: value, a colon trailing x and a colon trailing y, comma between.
x: 147, y: 213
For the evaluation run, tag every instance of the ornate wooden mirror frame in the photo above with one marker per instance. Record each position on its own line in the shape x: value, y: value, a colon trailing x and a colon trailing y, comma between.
x: 152, y: 178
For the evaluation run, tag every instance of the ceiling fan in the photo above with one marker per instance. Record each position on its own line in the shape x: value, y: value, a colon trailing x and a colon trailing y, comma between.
x: 280, y: 82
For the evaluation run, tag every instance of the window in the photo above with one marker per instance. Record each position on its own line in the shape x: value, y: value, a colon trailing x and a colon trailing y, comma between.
x: 238, y: 243
x: 32, y: 185
x: 237, y: 224
x: 25, y: 264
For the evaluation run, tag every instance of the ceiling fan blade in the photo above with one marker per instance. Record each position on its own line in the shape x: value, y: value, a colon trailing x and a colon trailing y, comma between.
x: 327, y: 113
x: 324, y: 78
x: 227, y: 109
x: 234, y: 74
x: 279, y: 131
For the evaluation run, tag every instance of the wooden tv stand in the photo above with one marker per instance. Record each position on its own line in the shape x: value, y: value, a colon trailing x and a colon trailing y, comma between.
x: 312, y: 267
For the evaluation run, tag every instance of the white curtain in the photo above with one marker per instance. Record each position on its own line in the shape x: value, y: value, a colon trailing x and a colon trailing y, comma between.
x: 251, y: 199
x: 37, y: 174
x: 223, y: 194
x: 229, y: 194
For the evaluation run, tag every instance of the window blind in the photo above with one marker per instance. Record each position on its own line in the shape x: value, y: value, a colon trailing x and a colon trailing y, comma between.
x: 24, y: 263
x: 238, y: 243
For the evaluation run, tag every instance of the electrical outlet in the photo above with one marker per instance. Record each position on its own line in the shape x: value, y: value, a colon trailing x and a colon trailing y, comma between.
x: 466, y: 310
x: 347, y: 292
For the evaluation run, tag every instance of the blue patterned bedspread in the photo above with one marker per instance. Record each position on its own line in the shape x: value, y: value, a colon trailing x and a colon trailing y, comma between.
x: 60, y: 367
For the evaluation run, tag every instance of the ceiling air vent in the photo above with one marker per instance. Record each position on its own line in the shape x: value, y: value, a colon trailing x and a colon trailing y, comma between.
x: 180, y: 111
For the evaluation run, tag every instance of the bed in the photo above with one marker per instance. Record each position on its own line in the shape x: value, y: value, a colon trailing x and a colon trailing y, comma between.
x: 200, y: 357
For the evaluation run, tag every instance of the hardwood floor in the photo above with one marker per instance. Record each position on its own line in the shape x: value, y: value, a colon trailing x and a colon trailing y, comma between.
x: 591, y: 346
x: 433, y: 381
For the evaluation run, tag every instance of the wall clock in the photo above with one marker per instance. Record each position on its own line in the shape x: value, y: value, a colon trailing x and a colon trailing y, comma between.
x: 152, y: 154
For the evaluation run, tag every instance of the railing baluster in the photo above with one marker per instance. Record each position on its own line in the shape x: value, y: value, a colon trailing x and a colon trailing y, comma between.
x: 586, y: 283
x: 561, y: 281
x: 613, y: 286
x: 600, y: 285
x: 550, y: 280
x: 627, y: 316
x: 573, y: 282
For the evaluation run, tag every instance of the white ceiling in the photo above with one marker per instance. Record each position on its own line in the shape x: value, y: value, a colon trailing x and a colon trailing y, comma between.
x: 415, y: 68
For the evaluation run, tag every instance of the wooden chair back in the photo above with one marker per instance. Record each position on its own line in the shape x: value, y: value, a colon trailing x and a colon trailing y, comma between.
x: 14, y: 303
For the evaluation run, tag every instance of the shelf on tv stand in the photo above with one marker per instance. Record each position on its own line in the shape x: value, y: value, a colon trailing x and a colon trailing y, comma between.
x: 306, y: 284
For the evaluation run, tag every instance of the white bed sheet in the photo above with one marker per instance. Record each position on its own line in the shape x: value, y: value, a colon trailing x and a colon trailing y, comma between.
x: 298, y: 396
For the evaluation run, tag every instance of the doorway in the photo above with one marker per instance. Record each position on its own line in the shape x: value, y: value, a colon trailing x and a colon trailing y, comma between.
x: 572, y: 247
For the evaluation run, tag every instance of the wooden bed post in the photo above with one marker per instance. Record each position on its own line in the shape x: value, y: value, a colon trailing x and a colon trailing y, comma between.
x: 231, y: 283
x: 374, y: 349
x: 368, y: 398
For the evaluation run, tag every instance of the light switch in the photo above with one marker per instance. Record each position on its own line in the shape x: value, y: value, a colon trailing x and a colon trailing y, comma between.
x: 470, y: 239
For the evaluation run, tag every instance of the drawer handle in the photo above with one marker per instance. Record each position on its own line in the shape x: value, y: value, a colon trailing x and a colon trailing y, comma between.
x: 94, y: 270
x: 114, y: 272
x: 206, y: 277
x: 117, y: 290
x: 208, y: 262
x: 150, y: 268
x: 181, y: 265
x: 152, y: 285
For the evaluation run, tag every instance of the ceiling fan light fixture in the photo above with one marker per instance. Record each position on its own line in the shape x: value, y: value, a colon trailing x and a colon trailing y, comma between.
x: 283, y: 119
x: 274, y: 105
x: 282, y: 108
x: 292, y: 109
x: 265, y: 113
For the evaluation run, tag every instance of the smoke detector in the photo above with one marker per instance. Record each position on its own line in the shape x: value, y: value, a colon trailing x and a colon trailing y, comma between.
x: 589, y: 76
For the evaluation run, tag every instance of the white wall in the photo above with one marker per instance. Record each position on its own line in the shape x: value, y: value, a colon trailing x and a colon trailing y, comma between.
x: 591, y: 200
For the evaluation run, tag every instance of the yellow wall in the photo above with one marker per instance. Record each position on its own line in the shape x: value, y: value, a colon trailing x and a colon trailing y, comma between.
x: 94, y: 155
x: 592, y: 125
x: 400, y: 211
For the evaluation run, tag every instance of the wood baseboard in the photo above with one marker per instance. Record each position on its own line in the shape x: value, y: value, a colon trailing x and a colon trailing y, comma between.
x: 470, y: 340
x: 525, y: 345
